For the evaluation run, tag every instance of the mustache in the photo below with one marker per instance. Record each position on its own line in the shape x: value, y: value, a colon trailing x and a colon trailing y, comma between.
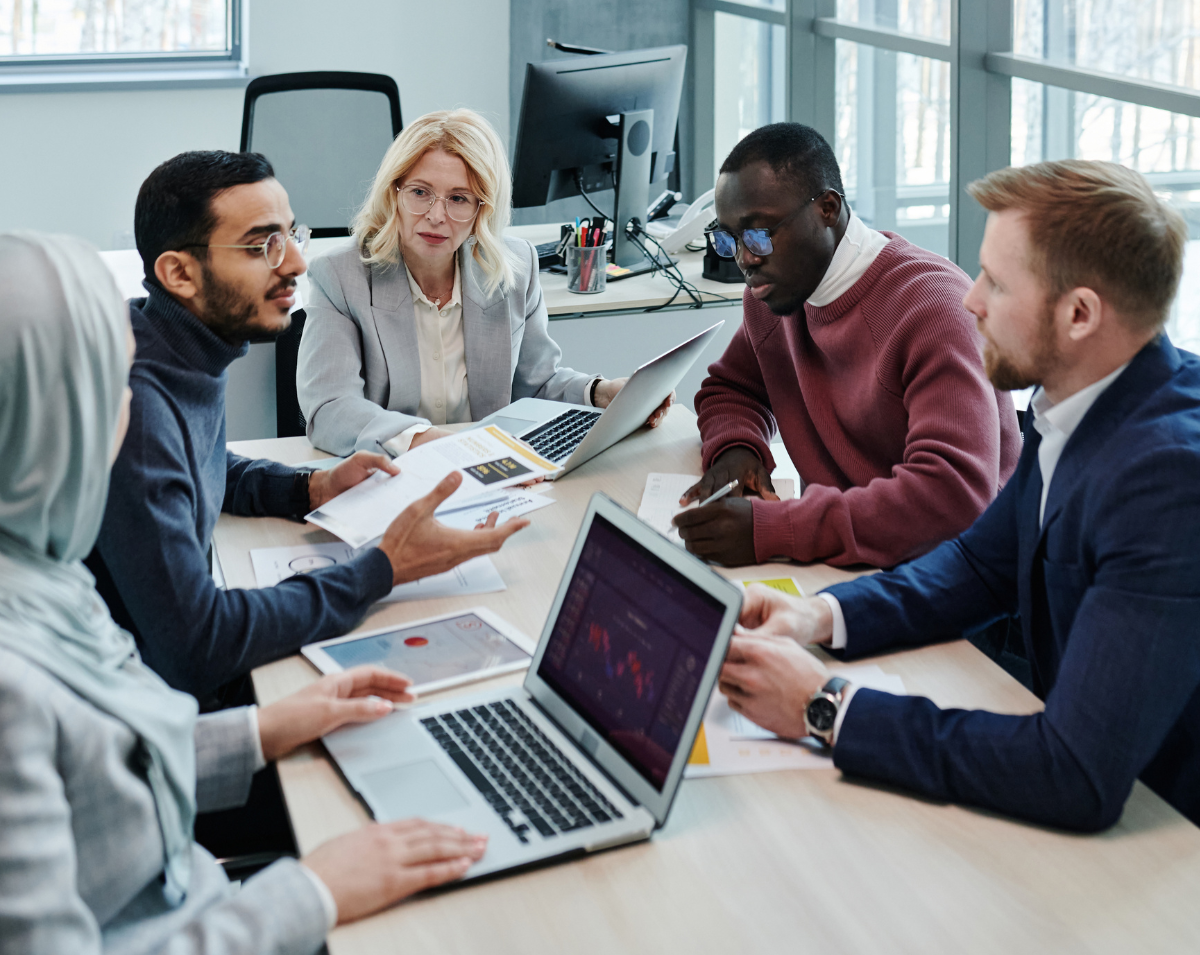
x: 283, y: 285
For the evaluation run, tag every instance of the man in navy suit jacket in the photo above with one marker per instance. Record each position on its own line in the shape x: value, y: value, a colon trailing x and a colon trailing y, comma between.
x: 1095, y: 540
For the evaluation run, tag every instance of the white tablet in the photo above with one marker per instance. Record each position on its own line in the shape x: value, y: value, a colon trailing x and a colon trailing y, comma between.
x: 436, y: 653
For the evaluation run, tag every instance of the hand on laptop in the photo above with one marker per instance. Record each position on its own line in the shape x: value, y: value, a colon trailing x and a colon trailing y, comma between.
x: 607, y: 390
x: 382, y: 863
x: 417, y: 544
x: 324, y: 486
x: 359, y: 695
x: 769, y: 612
x: 738, y: 463
x: 769, y: 680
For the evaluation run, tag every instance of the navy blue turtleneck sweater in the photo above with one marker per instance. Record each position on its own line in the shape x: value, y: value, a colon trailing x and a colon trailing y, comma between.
x: 171, y: 480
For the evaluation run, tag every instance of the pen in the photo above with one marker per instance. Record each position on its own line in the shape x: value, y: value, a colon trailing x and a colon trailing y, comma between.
x: 385, y: 449
x: 720, y: 493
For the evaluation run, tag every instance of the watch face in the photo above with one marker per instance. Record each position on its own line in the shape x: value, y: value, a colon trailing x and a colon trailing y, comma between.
x: 822, y: 714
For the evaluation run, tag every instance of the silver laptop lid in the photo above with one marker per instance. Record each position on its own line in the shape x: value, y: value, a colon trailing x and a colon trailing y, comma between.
x: 631, y: 649
x: 645, y: 390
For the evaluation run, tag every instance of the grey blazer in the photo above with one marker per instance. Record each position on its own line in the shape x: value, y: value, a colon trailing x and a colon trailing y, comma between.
x: 359, y: 373
x: 81, y: 855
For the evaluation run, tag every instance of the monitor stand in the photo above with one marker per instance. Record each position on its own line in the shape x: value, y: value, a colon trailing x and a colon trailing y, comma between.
x: 636, y: 131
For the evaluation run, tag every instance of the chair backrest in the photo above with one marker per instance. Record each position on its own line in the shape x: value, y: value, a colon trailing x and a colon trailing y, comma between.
x: 289, y: 419
x: 325, y: 133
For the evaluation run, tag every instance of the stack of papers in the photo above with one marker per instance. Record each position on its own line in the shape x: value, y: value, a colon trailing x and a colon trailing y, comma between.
x: 488, y: 458
x: 729, y: 744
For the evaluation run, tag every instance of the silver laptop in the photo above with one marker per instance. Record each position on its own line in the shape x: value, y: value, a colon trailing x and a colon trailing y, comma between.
x: 589, y: 752
x: 569, y: 434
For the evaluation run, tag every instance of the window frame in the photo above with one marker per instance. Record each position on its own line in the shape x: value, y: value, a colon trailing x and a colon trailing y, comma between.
x: 28, y: 73
x: 983, y: 65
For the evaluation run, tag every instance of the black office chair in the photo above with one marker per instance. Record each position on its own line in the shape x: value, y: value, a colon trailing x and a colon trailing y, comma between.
x: 325, y: 133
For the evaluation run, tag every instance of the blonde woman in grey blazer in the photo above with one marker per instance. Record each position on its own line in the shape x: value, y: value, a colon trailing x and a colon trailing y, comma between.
x: 103, y: 767
x: 430, y: 315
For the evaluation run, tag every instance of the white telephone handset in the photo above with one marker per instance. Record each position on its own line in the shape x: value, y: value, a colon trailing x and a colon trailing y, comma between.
x: 693, y: 223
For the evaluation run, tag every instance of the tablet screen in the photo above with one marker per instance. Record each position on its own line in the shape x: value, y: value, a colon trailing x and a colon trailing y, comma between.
x: 441, y: 650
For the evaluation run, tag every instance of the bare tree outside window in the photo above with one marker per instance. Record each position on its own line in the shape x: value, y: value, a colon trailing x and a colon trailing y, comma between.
x: 87, y: 28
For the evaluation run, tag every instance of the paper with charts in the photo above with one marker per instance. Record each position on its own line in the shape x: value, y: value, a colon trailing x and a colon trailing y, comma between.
x: 275, y: 564
x: 729, y: 744
x: 488, y: 458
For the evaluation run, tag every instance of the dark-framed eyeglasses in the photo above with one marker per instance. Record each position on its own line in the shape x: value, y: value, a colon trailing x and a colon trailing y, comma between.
x: 460, y: 206
x: 757, y: 241
x: 274, y: 246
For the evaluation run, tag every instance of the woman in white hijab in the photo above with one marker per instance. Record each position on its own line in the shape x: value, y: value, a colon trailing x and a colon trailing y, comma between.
x: 103, y: 766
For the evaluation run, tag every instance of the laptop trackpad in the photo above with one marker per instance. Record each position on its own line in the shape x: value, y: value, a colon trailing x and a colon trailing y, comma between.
x: 512, y: 425
x: 414, y: 789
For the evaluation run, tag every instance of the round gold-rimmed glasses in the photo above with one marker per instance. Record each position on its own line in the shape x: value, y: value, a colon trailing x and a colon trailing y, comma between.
x: 460, y: 206
x: 274, y: 246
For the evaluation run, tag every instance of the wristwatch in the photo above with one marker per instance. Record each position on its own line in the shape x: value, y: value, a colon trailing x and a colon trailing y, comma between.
x: 821, y: 714
x: 298, y: 498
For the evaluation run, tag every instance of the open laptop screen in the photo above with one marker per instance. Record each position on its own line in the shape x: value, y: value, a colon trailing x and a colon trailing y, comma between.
x: 629, y: 647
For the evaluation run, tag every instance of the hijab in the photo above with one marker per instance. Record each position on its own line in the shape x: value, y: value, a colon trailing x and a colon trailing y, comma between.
x: 64, y: 365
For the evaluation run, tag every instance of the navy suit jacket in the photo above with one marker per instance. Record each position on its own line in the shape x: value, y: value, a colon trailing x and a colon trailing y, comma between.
x: 1108, y: 589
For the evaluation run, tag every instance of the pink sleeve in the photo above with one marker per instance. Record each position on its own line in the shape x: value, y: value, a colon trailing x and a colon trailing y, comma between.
x: 732, y: 404
x: 948, y: 476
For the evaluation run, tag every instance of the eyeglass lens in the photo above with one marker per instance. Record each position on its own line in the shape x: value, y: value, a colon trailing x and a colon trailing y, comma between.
x: 276, y: 247
x: 756, y: 241
x: 460, y: 206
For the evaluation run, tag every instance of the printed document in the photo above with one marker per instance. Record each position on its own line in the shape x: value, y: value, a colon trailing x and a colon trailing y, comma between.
x: 509, y: 503
x: 729, y: 744
x: 660, y: 500
x: 475, y: 576
x: 488, y: 458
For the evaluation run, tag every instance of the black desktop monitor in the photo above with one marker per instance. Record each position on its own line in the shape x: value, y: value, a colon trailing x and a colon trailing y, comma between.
x: 606, y: 122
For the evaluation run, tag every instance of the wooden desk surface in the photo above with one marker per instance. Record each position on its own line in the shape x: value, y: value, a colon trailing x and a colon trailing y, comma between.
x: 802, y: 861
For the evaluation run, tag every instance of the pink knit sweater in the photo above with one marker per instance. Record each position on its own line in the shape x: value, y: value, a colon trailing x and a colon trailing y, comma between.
x: 883, y: 405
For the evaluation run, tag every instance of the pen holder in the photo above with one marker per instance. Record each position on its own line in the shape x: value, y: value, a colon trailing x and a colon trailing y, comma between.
x: 587, y: 268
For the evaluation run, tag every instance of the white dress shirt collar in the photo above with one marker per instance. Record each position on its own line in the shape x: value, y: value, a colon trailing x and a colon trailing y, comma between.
x: 419, y: 296
x: 1057, y: 422
x: 860, y: 246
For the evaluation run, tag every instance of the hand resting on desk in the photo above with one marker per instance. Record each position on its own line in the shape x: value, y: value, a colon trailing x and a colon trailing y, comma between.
x: 723, y: 531
x: 380, y: 864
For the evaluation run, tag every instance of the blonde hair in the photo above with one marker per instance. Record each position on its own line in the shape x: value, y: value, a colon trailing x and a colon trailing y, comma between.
x: 467, y: 135
x: 1097, y: 225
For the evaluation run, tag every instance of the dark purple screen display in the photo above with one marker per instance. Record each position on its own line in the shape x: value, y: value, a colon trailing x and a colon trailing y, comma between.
x: 630, y: 646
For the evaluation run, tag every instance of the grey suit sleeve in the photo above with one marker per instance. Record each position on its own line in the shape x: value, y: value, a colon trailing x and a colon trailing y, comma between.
x: 329, y: 373
x: 225, y: 757
x: 538, y: 374
x: 40, y: 906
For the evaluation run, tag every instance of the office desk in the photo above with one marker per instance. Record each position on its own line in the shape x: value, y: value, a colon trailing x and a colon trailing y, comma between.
x: 800, y: 861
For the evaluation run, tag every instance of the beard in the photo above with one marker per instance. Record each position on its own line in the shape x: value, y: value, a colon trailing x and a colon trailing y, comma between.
x: 230, y: 312
x: 1003, y: 371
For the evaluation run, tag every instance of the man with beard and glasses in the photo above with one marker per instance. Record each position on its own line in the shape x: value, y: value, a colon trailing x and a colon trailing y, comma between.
x: 855, y: 346
x: 1093, y: 539
x: 221, y: 252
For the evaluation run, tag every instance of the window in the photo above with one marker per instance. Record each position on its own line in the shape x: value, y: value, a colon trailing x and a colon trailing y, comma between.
x: 132, y: 36
x: 919, y: 97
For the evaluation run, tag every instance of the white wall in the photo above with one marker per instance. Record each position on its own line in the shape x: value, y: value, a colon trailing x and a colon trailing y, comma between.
x: 72, y: 162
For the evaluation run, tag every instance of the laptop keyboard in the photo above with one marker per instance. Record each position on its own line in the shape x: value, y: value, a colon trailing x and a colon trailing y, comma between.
x: 519, y: 771
x: 558, y: 437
